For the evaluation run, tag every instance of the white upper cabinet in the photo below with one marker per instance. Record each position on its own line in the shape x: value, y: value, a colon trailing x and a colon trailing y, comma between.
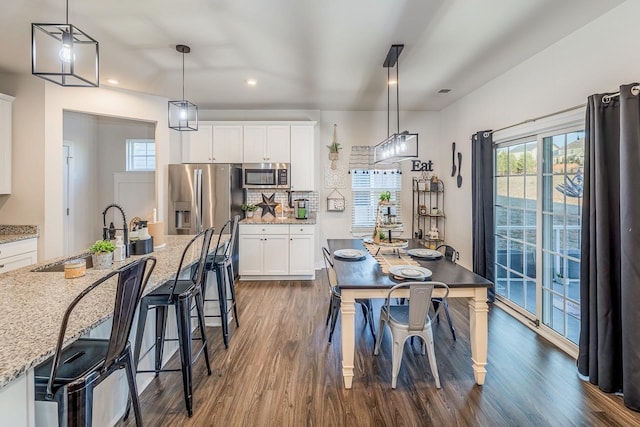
x: 212, y: 144
x: 197, y: 146
x: 278, y: 144
x: 5, y: 143
x: 227, y: 144
x: 269, y: 144
x: 302, y: 158
x: 255, y: 144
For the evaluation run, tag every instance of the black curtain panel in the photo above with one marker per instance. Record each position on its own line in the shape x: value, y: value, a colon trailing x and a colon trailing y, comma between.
x: 609, y: 347
x: 482, y: 200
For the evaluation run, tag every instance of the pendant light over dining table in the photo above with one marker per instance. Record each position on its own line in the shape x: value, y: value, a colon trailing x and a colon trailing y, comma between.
x: 400, y: 145
x: 64, y: 54
x: 183, y: 115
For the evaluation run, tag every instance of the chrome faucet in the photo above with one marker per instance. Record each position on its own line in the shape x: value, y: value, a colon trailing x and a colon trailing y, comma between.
x: 125, y: 228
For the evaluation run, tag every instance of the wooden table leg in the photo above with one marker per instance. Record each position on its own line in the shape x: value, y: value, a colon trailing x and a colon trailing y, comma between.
x: 347, y: 311
x: 478, y: 324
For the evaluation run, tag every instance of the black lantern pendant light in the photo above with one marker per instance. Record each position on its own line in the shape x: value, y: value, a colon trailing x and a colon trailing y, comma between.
x: 401, y: 145
x: 183, y: 115
x: 64, y: 54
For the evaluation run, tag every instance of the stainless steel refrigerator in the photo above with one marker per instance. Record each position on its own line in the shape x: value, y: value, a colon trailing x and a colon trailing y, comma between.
x: 202, y: 196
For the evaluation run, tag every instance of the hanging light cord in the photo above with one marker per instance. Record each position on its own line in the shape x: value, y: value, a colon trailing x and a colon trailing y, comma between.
x: 388, y: 102
x: 397, y: 90
x: 182, y: 73
x: 67, y: 12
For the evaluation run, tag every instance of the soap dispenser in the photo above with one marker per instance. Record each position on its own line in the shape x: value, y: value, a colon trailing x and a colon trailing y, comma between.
x: 119, y: 253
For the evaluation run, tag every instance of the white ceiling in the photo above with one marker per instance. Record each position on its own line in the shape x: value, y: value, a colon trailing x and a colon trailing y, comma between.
x: 305, y: 54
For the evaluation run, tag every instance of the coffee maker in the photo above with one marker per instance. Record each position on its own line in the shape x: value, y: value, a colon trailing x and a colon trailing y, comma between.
x: 301, y: 208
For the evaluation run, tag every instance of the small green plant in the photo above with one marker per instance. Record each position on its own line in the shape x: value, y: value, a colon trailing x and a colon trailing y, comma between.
x: 102, y: 246
x: 382, y: 236
x: 248, y: 207
x: 385, y: 197
x: 334, y: 147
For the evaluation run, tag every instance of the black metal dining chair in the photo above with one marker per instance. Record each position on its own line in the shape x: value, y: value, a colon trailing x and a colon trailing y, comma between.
x: 222, y: 265
x: 451, y: 254
x: 180, y: 294
x: 334, y: 303
x: 71, y: 374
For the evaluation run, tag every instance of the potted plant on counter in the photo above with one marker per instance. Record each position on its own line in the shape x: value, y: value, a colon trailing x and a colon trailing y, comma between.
x: 102, y: 254
x: 249, y: 209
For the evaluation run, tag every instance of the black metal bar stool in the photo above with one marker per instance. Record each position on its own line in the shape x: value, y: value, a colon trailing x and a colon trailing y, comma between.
x: 222, y: 266
x: 71, y: 374
x: 179, y: 293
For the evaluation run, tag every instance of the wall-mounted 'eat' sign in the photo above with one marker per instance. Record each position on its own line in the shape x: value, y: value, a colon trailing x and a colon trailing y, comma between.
x: 418, y: 166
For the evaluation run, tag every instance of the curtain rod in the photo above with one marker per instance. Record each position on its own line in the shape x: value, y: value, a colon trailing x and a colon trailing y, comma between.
x: 566, y: 110
x: 635, y: 90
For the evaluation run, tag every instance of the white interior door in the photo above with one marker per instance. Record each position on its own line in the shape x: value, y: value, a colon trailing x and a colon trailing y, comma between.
x: 66, y: 200
x: 136, y: 193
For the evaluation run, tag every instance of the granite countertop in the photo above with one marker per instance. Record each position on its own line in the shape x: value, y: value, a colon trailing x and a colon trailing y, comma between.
x: 270, y: 219
x: 32, y: 305
x: 15, y: 233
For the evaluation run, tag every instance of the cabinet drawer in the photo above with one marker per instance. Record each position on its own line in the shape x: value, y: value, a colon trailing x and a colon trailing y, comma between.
x: 264, y: 229
x: 17, y: 248
x: 302, y: 229
x: 17, y: 261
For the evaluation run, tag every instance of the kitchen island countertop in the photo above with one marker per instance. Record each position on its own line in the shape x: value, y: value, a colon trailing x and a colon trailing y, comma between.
x: 32, y: 305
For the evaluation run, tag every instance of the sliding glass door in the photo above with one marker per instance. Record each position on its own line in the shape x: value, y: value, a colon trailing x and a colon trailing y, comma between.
x: 538, y: 189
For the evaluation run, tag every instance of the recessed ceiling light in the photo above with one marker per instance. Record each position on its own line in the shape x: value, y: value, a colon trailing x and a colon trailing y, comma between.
x: 444, y: 91
x: 113, y: 81
x: 393, y: 82
x: 252, y: 82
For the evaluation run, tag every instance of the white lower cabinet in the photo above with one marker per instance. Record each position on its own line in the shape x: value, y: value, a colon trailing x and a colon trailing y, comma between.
x: 276, y: 250
x: 18, y: 254
x: 301, y: 250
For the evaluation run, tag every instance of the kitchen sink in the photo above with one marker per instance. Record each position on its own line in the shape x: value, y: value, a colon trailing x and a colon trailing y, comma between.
x: 59, y: 266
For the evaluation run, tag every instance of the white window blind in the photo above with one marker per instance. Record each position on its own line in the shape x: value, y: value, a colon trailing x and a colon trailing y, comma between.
x: 366, y: 186
x: 141, y: 155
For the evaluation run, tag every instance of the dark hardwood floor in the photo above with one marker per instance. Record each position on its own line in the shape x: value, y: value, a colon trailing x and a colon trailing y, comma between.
x: 279, y: 370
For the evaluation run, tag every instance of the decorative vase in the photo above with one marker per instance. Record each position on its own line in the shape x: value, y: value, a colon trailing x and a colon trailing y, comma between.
x: 334, y: 156
x: 249, y: 214
x: 102, y: 260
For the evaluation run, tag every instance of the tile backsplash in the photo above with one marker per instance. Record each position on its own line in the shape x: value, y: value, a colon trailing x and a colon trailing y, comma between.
x: 255, y: 196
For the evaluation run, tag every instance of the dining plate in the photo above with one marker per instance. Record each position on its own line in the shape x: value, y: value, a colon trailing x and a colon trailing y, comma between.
x: 410, y: 272
x: 349, y: 253
x: 425, y: 253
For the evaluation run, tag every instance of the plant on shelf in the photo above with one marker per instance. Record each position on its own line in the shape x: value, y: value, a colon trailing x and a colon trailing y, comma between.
x: 102, y: 254
x: 385, y: 197
x: 249, y: 209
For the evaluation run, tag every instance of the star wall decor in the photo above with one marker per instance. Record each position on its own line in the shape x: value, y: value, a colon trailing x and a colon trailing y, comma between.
x: 268, y: 204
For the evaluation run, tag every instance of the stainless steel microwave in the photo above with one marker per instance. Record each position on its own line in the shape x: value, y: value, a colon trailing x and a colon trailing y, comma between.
x: 266, y: 175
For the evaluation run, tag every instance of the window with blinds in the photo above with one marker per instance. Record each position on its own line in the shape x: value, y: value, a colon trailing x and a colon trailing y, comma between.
x: 366, y: 186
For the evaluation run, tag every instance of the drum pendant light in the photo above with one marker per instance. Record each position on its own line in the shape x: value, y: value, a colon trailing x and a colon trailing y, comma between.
x: 64, y: 54
x: 183, y: 115
x: 401, y: 145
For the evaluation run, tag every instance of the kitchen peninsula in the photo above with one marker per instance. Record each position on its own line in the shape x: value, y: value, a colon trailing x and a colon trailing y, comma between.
x: 32, y: 305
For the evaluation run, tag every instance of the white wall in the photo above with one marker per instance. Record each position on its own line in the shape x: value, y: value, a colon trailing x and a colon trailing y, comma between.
x: 26, y: 203
x: 597, y: 58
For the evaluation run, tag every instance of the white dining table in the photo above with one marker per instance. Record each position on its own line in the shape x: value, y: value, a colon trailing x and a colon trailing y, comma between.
x: 364, y: 278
